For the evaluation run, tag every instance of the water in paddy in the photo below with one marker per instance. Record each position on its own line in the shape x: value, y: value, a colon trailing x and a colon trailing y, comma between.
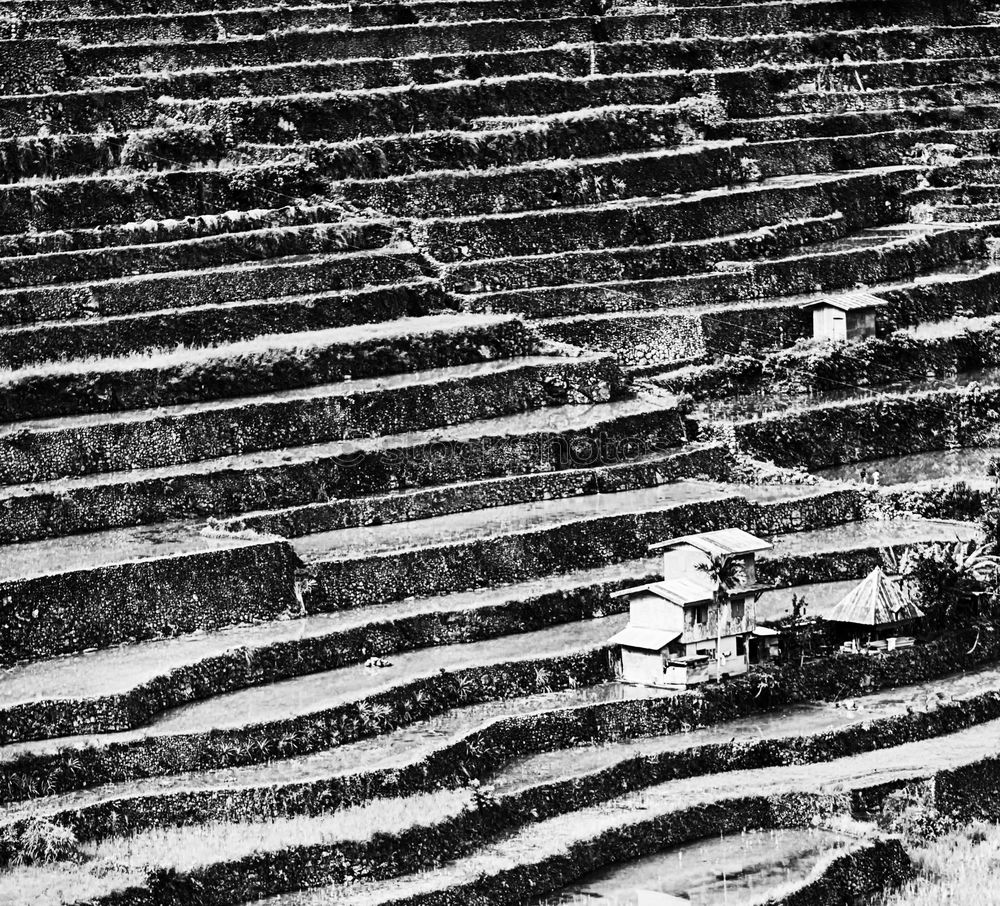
x: 803, y: 719
x: 821, y: 598
x: 968, y: 464
x: 394, y: 749
x: 759, y: 405
x: 717, y: 872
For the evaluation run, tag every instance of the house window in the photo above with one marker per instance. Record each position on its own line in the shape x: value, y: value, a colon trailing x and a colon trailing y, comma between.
x: 738, y: 610
x: 701, y: 614
x: 741, y: 646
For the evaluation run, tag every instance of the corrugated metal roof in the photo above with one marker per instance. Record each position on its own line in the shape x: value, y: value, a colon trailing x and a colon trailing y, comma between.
x: 682, y: 590
x: 643, y: 638
x: 723, y: 541
x: 853, y: 301
x: 876, y: 601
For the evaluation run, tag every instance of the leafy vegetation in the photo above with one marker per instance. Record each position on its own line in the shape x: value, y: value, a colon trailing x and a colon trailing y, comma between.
x: 961, y: 868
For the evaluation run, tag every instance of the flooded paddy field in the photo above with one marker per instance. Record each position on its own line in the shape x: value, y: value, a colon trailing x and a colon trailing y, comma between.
x: 718, y: 872
x: 796, y: 720
x: 750, y: 406
x: 969, y: 464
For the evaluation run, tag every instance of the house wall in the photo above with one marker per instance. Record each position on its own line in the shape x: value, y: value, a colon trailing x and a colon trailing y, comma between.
x: 688, y: 676
x: 695, y: 632
x: 860, y: 324
x: 652, y: 611
x: 829, y: 323
x: 644, y: 667
x: 684, y: 559
x: 647, y: 668
x: 681, y: 560
x: 708, y: 645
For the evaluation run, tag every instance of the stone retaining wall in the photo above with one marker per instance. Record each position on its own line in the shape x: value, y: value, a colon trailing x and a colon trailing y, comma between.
x: 102, y: 606
x: 873, y: 428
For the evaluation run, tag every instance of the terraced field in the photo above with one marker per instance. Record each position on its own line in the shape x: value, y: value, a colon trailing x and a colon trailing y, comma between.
x: 352, y: 355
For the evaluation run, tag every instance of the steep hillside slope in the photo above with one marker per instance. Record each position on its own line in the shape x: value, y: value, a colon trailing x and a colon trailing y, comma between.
x: 338, y: 331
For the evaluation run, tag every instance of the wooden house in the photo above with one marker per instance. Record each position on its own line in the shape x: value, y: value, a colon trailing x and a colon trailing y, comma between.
x: 874, y: 610
x: 678, y: 632
x: 846, y: 316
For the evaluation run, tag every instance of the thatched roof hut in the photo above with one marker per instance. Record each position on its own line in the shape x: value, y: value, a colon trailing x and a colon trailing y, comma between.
x: 876, y: 601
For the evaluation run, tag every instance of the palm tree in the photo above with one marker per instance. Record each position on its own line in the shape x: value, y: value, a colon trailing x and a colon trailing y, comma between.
x: 947, y: 578
x: 975, y: 564
x: 725, y: 574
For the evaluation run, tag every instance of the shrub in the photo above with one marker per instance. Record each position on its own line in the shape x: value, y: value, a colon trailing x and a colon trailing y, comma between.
x: 42, y: 840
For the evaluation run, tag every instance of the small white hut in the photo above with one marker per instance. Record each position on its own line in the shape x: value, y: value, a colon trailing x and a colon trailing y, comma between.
x: 846, y: 316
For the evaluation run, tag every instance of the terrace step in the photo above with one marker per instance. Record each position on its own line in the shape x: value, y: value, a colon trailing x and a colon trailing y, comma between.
x: 234, y: 248
x: 73, y: 112
x: 701, y: 460
x: 378, y: 264
x: 542, y: 440
x: 370, y: 14
x: 949, y: 413
x: 348, y: 115
x: 61, y: 156
x: 218, y: 323
x: 208, y: 25
x: 416, y: 746
x: 144, y: 439
x: 744, y: 87
x: 103, y: 691
x: 698, y: 215
x: 656, y: 339
x: 66, y: 595
x: 550, y: 849
x: 151, y: 578
x: 150, y: 232
x: 67, y: 9
x: 735, y: 21
x: 966, y: 213
x: 651, y: 339
x: 263, y: 365
x: 578, y: 133
x: 359, y: 74
x: 110, y: 200
x: 974, y: 170
x: 859, y: 122
x: 643, y: 261
x: 548, y: 184
x: 330, y: 43
x: 462, y: 551
x: 946, y: 94
x: 872, y: 256
x: 543, y: 182
x: 268, y: 712
x: 897, y: 41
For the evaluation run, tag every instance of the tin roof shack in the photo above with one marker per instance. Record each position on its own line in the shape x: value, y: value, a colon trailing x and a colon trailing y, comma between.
x: 875, y: 614
x: 685, y: 629
x: 847, y: 316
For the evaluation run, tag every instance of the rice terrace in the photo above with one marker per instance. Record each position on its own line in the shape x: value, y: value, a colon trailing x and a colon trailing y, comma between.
x: 499, y: 453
